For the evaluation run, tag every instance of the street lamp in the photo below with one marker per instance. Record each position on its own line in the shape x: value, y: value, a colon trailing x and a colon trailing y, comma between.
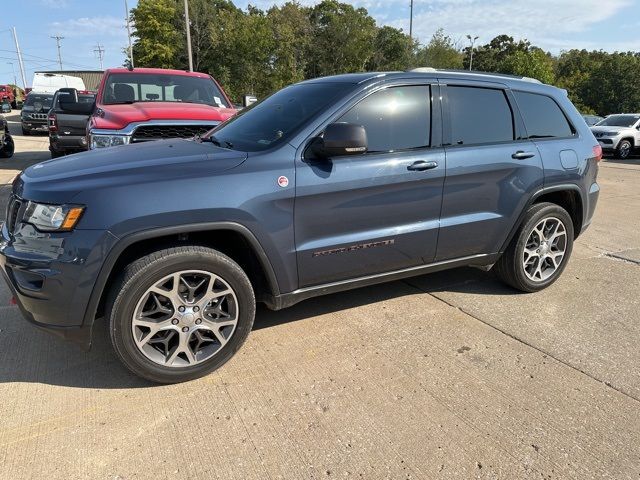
x: 472, y: 41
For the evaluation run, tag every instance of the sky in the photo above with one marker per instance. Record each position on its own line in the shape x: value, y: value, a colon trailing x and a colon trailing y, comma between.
x: 554, y: 25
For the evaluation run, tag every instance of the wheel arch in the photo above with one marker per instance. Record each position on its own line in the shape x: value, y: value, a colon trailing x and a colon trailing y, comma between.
x: 568, y: 196
x: 232, y: 239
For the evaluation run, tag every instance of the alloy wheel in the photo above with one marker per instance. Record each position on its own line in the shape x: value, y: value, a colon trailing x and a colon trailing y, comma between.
x: 545, y: 249
x: 185, y: 318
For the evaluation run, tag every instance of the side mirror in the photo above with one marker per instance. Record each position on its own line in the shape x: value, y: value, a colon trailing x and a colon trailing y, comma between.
x: 341, y: 139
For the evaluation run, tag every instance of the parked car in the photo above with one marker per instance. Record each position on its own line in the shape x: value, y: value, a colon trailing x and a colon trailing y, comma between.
x: 7, y: 146
x: 35, y: 111
x: 591, y: 120
x: 149, y: 104
x: 327, y: 185
x: 619, y: 134
x: 7, y: 95
x: 46, y: 82
x: 67, y: 121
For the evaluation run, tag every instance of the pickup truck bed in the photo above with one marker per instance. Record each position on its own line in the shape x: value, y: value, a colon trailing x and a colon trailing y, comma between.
x: 67, y: 130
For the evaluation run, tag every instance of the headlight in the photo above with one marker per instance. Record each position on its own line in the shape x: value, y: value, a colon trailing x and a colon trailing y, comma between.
x: 52, y: 218
x: 103, y: 141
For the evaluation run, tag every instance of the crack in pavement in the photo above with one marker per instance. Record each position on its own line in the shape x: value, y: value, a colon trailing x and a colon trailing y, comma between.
x: 524, y: 342
x: 620, y: 258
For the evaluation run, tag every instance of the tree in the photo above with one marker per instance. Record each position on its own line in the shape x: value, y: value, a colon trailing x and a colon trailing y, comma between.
x: 533, y: 63
x: 489, y: 57
x: 157, y: 42
x: 393, y: 50
x: 440, y: 52
x: 341, y: 39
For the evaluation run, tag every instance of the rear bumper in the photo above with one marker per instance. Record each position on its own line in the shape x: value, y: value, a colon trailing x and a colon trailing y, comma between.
x: 52, y: 276
x: 67, y: 143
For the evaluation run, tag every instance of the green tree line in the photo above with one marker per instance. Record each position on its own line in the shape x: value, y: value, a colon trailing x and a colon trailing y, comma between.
x: 259, y: 52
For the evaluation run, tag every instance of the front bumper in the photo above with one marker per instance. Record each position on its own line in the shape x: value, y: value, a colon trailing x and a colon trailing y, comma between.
x: 40, y: 125
x: 52, y: 276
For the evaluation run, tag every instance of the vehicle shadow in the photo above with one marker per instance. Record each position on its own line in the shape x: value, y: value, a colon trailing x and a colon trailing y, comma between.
x: 29, y: 355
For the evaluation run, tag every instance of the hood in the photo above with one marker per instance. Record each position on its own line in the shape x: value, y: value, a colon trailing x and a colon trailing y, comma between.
x: 604, y: 128
x: 59, y: 180
x: 116, y: 117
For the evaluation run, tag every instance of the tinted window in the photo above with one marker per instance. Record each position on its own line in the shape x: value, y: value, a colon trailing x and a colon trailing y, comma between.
x: 278, y: 117
x: 39, y: 101
x: 479, y: 115
x: 152, y: 87
x: 542, y: 116
x: 396, y: 118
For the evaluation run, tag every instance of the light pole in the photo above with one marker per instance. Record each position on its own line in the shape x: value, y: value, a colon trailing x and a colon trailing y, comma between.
x: 472, y: 41
x: 126, y: 8
x: 186, y: 20
x: 411, y: 22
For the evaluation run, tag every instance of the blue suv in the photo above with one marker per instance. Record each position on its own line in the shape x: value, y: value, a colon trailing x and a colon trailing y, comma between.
x: 327, y: 185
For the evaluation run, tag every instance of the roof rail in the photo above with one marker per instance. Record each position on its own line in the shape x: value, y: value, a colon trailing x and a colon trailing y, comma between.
x: 473, y: 72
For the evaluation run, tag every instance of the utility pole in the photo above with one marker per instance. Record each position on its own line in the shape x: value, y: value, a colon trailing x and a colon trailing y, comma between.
x: 13, y: 69
x: 58, y: 38
x: 472, y: 41
x: 19, y: 54
x: 186, y: 19
x: 411, y: 22
x: 126, y: 8
x: 99, y: 51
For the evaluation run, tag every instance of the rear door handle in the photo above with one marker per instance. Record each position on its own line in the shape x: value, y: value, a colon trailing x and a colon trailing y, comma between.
x: 422, y: 165
x: 520, y: 155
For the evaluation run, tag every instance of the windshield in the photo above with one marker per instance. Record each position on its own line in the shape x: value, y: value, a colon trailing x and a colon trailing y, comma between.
x: 619, y: 121
x: 39, y: 101
x: 124, y: 88
x: 276, y: 118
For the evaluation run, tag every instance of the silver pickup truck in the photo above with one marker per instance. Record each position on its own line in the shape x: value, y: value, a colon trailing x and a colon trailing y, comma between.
x: 619, y: 134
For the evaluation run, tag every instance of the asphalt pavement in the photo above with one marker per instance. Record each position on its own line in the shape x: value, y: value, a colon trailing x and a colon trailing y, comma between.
x: 450, y: 375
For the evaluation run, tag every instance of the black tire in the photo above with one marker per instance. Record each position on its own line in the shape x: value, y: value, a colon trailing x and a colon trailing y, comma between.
x: 624, y: 150
x: 26, y: 132
x: 140, y: 275
x: 510, y: 268
x: 8, y: 148
x: 55, y: 154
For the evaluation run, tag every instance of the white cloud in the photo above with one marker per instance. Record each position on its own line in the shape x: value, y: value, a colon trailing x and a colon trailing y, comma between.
x: 94, y: 27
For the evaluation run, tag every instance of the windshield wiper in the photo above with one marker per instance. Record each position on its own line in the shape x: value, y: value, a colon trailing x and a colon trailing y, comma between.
x: 217, y: 142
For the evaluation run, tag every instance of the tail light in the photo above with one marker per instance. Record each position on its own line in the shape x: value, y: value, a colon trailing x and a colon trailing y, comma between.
x: 597, y: 153
x: 53, y: 122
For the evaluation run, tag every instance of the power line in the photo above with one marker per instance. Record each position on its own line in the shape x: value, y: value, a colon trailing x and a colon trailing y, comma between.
x: 99, y: 51
x: 58, y: 38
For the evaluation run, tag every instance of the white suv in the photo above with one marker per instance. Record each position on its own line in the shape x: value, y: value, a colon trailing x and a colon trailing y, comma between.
x: 619, y: 133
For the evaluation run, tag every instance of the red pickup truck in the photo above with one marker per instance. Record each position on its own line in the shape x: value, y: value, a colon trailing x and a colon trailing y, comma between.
x: 6, y: 95
x: 150, y: 104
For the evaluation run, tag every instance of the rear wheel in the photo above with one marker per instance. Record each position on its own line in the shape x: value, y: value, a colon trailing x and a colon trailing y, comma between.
x: 624, y: 150
x: 180, y: 313
x: 26, y: 131
x: 8, y: 147
x: 539, y: 252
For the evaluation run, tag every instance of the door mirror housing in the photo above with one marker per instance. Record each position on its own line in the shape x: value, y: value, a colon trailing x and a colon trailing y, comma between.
x: 68, y: 95
x: 68, y: 100
x: 340, y: 139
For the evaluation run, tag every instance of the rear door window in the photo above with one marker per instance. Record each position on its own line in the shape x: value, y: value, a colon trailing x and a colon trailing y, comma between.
x: 479, y: 115
x: 396, y: 118
x: 542, y: 116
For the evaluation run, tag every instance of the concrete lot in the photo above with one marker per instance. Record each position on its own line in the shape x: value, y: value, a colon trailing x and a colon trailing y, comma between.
x: 444, y: 376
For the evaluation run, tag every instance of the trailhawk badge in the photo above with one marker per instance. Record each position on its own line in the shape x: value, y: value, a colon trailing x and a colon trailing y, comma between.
x: 283, y: 181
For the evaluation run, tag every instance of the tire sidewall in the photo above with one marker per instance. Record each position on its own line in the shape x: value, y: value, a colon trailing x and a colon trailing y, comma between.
x: 546, y: 211
x: 620, y: 150
x: 128, y: 298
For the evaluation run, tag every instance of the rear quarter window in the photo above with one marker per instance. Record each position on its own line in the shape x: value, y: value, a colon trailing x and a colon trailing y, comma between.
x: 542, y: 116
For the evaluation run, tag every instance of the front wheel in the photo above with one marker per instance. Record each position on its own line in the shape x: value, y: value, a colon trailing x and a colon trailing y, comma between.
x: 180, y: 313
x: 624, y: 150
x: 8, y: 147
x: 538, y: 254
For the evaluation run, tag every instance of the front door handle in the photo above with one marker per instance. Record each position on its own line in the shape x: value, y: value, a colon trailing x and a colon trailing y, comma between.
x: 422, y: 165
x: 520, y: 155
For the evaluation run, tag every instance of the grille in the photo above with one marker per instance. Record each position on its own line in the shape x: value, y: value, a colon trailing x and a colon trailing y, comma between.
x: 13, y: 212
x: 146, y: 133
x: 39, y: 116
